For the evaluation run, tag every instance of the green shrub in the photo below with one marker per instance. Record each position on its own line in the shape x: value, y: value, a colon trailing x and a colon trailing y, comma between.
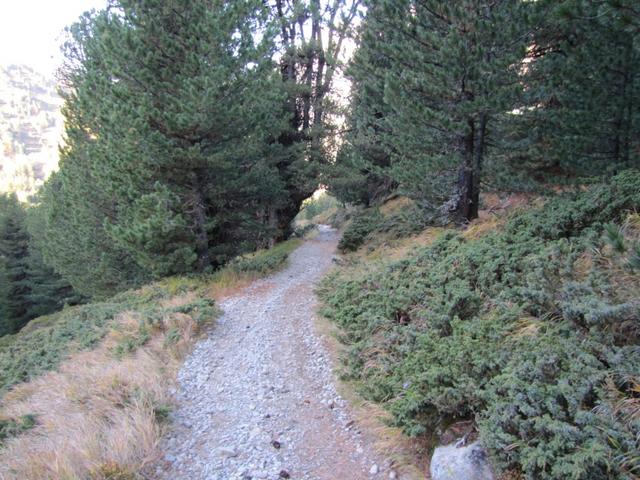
x: 302, y: 231
x: 201, y: 310
x: 511, y: 330
x: 361, y: 226
x: 47, y: 341
x: 263, y: 261
x: 368, y: 226
x: 15, y: 426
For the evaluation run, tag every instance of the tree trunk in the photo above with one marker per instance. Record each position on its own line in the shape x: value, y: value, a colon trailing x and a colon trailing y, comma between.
x: 463, y: 210
x: 200, y: 229
x: 478, y: 155
x: 272, y: 223
x: 628, y: 97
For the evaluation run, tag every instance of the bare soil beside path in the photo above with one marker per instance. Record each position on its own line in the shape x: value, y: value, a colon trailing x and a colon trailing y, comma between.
x: 257, y: 398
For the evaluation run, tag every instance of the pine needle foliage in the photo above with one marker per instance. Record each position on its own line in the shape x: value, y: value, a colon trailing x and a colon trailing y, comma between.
x: 172, y: 110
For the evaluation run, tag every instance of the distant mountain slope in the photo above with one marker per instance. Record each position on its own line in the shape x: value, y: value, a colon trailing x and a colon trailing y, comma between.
x: 30, y: 129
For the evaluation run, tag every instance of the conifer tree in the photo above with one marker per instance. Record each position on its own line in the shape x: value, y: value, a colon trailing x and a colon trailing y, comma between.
x: 173, y: 109
x: 49, y: 292
x: 29, y: 288
x: 580, y: 115
x: 437, y: 73
x: 14, y: 256
x: 312, y: 35
x: 361, y: 173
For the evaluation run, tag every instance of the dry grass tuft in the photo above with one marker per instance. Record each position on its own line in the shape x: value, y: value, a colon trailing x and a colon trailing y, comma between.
x: 526, y: 327
x: 396, y: 204
x: 482, y: 226
x: 229, y: 283
x: 409, y: 457
x: 396, y: 249
x: 99, y: 417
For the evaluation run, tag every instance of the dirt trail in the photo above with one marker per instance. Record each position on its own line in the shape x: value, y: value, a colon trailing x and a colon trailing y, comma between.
x: 257, y: 398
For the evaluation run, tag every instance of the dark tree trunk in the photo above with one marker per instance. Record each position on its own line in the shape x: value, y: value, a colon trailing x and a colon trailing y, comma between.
x: 200, y: 228
x: 279, y: 220
x: 478, y: 155
x: 465, y: 175
x: 628, y: 91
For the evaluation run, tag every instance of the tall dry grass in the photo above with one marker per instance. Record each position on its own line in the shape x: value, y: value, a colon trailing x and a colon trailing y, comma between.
x: 100, y: 416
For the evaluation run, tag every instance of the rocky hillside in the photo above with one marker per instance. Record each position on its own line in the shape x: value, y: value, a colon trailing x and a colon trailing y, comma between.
x: 30, y: 129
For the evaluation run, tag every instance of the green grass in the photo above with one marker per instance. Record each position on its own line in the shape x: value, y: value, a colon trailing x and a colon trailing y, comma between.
x: 264, y: 261
x: 529, y: 330
x: 15, y: 426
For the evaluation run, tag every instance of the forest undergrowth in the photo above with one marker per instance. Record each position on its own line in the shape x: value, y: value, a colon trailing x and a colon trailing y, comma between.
x: 528, y: 328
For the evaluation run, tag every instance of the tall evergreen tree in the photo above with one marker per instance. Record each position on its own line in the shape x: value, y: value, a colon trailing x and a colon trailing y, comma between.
x: 14, y: 256
x: 49, y: 292
x: 436, y: 74
x: 173, y: 109
x: 28, y: 287
x: 580, y: 115
x: 361, y: 172
x: 312, y: 36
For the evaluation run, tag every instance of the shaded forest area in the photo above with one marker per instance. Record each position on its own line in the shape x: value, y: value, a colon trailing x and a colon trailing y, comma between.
x: 193, y: 133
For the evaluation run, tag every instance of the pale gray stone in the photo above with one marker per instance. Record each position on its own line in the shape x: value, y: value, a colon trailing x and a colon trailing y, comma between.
x: 465, y: 463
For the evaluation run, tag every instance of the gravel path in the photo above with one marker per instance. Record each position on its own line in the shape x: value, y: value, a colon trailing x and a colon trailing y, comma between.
x: 257, y: 400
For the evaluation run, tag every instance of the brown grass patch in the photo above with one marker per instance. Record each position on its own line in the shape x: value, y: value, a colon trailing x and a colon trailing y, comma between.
x: 395, y: 204
x: 409, y: 457
x: 481, y: 226
x: 229, y: 284
x: 397, y: 249
x: 98, y: 416
x: 497, y: 202
x: 526, y: 327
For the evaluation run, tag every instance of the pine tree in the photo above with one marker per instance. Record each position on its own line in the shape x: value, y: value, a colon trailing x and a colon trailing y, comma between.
x: 14, y: 256
x: 580, y: 115
x: 173, y: 110
x: 437, y: 74
x: 29, y: 288
x: 361, y: 173
x: 312, y: 35
x: 49, y: 292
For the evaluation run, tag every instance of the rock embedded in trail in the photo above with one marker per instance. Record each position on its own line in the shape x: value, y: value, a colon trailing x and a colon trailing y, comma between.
x: 257, y: 398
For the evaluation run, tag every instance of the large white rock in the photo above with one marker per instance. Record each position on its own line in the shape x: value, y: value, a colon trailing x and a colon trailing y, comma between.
x: 464, y: 463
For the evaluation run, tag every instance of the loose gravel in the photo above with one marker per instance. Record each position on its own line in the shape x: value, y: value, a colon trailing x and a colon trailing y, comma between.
x: 257, y: 398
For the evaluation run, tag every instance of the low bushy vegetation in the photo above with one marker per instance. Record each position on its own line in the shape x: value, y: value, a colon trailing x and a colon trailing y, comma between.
x: 530, y: 330
x: 263, y: 261
x: 371, y: 226
x: 10, y: 427
x: 46, y: 341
